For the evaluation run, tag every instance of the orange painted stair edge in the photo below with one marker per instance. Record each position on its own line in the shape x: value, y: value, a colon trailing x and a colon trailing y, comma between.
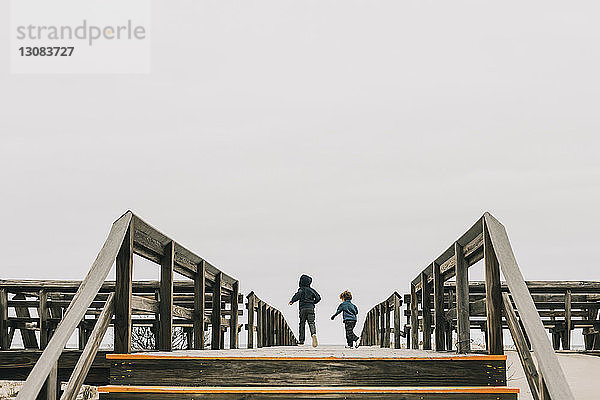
x: 306, y: 390
x: 484, y: 357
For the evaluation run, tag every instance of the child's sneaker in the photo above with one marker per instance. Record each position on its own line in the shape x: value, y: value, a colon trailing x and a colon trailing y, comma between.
x: 357, y: 343
x: 347, y: 347
x: 314, y: 340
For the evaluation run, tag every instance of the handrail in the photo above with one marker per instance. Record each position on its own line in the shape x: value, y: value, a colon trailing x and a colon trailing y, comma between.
x: 377, y: 327
x: 83, y: 298
x: 487, y: 240
x: 270, y: 325
x: 130, y: 235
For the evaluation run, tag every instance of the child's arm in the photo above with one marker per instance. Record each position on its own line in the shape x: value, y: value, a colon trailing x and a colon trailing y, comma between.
x: 317, y: 296
x: 295, y: 298
x: 339, y: 310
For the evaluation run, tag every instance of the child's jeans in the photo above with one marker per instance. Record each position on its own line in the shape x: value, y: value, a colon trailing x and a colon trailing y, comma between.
x: 350, y: 336
x: 306, y: 315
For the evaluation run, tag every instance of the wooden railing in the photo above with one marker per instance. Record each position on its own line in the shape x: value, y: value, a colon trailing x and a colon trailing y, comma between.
x: 268, y: 323
x: 486, y: 239
x: 129, y: 235
x: 379, y: 324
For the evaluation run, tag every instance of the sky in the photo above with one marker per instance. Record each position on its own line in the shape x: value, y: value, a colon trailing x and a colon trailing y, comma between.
x: 353, y: 141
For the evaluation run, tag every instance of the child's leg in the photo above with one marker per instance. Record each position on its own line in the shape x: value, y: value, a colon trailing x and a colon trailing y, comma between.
x: 349, y: 325
x: 310, y: 316
x: 302, y: 327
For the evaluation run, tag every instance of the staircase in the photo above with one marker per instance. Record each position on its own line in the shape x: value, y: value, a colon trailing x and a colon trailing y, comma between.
x: 366, y: 374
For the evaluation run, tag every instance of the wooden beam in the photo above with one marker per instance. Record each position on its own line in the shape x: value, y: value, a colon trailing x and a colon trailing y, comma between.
x: 568, y: 325
x: 216, y: 314
x: 251, y: 305
x: 259, y: 323
x: 493, y: 296
x: 414, y: 317
x: 84, y: 297
x: 199, y: 305
x: 462, y: 301
x: 426, y: 305
x: 397, y: 322
x: 123, y: 293
x: 43, y: 316
x: 4, y: 342
x: 166, y: 298
x: 89, y: 352
x: 548, y: 364
x: 438, y: 308
x: 233, y: 329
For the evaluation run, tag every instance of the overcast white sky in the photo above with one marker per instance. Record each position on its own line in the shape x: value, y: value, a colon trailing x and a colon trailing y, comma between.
x: 350, y: 140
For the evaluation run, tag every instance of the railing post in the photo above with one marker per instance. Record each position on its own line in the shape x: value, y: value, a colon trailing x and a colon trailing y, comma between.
x: 448, y: 324
x: 156, y: 323
x: 567, y: 333
x: 377, y: 325
x: 438, y: 308
x: 166, y: 298
x: 493, y: 295
x: 259, y: 324
x: 123, y: 293
x: 216, y: 312
x: 4, y: 342
x: 388, y: 330
x: 233, y: 319
x: 463, y: 325
x: 251, y: 320
x: 426, y: 305
x: 397, y: 322
x: 199, y: 305
x: 43, y: 317
x: 414, y: 317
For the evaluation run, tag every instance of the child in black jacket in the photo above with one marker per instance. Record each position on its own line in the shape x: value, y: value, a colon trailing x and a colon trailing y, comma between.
x: 350, y: 311
x: 306, y: 297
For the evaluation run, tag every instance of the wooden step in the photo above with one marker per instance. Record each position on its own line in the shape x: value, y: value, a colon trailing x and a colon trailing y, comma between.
x: 260, y: 393
x: 188, y: 370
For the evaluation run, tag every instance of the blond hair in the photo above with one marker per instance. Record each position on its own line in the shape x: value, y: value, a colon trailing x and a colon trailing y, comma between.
x: 346, y: 295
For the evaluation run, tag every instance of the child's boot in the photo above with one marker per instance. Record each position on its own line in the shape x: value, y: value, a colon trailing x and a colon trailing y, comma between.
x: 314, y: 340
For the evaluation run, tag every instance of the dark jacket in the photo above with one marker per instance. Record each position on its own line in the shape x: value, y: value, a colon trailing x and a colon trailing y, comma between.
x: 350, y: 311
x: 306, y: 296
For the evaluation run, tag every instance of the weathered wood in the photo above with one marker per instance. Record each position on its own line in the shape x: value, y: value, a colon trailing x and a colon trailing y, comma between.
x: 43, y: 316
x: 251, y: 307
x: 4, y: 342
x: 259, y: 323
x: 89, y: 353
x: 414, y: 317
x: 438, y: 308
x: 166, y: 298
x: 298, y: 371
x: 22, y: 311
x: 123, y: 293
x: 553, y: 374
x: 233, y: 319
x: 493, y: 296
x: 568, y: 325
x: 199, y: 305
x: 84, y: 297
x: 397, y: 322
x: 216, y: 314
x: 521, y: 345
x: 426, y: 306
x: 462, y: 301
x: 50, y: 388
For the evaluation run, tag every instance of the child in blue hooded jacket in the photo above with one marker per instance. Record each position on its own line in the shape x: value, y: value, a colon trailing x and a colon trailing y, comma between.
x: 350, y: 311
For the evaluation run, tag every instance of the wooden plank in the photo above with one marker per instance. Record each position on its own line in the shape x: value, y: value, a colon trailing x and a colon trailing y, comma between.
x: 397, y: 321
x: 426, y: 306
x: 438, y: 309
x: 276, y: 371
x: 493, y: 296
x: 521, y: 345
x: 51, y: 386
x: 462, y: 301
x: 251, y: 306
x: 568, y: 323
x: 199, y: 305
x: 166, y: 298
x: 414, y: 317
x: 216, y: 314
x: 259, y: 322
x: 549, y: 366
x: 123, y: 293
x: 89, y: 352
x: 43, y: 317
x: 233, y: 328
x: 84, y: 297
